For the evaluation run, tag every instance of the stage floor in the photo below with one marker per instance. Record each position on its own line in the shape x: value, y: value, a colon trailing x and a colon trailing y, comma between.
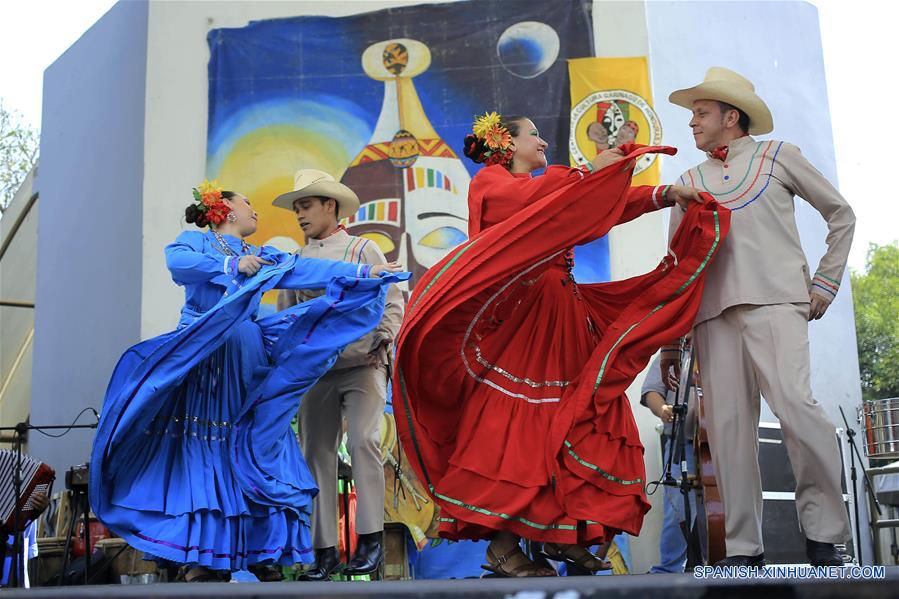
x: 663, y: 586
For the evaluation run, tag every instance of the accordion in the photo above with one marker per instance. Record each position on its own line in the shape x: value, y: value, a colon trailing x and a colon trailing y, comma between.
x: 37, y: 478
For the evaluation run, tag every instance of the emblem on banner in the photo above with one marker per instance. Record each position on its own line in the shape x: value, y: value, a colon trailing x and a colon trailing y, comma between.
x: 609, y: 118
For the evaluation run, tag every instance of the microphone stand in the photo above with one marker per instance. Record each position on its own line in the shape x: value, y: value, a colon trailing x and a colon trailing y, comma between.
x: 17, y: 567
x: 853, y: 453
x: 678, y: 437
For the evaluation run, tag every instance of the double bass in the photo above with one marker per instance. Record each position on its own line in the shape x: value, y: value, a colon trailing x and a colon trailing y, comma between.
x: 709, y: 507
x: 710, y: 530
x: 709, y: 524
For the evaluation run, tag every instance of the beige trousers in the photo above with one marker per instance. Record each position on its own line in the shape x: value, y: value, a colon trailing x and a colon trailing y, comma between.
x: 744, y: 351
x: 359, y: 394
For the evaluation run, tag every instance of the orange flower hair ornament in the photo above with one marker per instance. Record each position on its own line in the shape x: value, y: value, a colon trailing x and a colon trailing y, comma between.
x: 493, y: 137
x: 208, y: 196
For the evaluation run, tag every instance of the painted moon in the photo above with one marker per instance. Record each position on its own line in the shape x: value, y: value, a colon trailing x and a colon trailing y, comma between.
x: 528, y: 49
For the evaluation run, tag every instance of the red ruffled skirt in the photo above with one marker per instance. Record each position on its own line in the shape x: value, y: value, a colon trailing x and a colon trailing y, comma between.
x: 510, y: 378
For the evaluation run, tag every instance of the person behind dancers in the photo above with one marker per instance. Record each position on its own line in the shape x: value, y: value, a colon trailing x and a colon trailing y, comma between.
x: 194, y: 461
x: 660, y: 400
x: 510, y: 376
x: 39, y: 503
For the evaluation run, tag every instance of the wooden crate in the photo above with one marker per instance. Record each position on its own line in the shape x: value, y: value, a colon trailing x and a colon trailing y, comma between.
x: 396, y: 554
x: 126, y: 559
x: 48, y: 562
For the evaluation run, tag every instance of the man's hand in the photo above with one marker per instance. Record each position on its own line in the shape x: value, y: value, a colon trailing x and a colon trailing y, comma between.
x: 40, y: 502
x: 819, y: 305
x: 373, y: 358
x: 655, y: 401
x: 666, y: 414
x: 669, y: 362
x: 683, y: 196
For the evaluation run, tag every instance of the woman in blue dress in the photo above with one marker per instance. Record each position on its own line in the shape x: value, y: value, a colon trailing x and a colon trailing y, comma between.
x: 194, y: 460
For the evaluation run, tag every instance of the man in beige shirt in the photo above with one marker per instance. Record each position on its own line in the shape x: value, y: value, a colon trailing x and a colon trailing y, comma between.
x: 355, y: 387
x: 751, y: 332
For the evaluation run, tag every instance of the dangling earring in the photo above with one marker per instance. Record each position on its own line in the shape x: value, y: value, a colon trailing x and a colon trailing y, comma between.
x: 507, y: 158
x: 231, y: 217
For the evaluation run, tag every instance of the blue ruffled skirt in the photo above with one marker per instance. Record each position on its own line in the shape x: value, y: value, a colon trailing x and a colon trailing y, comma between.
x: 194, y: 459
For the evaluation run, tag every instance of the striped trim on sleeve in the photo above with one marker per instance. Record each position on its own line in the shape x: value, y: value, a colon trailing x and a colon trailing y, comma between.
x: 655, y: 196
x: 825, y: 286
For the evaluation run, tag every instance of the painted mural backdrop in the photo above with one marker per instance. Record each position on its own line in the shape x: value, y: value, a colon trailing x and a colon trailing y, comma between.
x: 382, y: 101
x: 611, y: 104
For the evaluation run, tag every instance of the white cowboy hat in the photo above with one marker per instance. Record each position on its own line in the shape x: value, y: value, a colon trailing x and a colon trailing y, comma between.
x: 725, y: 85
x: 309, y: 182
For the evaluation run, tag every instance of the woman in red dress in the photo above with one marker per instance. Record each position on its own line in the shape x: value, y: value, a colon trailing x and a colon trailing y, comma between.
x: 510, y: 376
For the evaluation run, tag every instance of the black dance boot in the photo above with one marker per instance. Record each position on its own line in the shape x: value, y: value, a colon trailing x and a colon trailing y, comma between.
x: 753, y: 561
x: 368, y: 557
x: 822, y: 554
x: 327, y: 562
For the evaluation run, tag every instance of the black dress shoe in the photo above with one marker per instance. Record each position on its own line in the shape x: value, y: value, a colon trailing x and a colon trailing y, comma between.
x: 822, y: 554
x: 753, y: 561
x: 368, y: 557
x: 327, y: 562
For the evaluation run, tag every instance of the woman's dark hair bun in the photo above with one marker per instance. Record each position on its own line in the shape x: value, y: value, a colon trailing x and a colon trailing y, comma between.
x: 474, y: 148
x: 194, y: 215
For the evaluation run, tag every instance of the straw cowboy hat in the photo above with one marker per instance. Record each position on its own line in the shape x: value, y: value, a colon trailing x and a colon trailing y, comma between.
x: 725, y: 85
x: 309, y: 182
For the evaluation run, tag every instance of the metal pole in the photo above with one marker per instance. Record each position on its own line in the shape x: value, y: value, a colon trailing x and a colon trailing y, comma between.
x: 850, y: 432
x: 87, y: 538
x: 17, y: 563
x: 346, y: 517
x: 858, y: 530
x: 16, y: 304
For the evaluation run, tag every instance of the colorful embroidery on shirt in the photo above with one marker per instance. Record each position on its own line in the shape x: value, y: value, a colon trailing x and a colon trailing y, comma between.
x: 740, y: 186
x: 745, y: 175
x: 351, y: 250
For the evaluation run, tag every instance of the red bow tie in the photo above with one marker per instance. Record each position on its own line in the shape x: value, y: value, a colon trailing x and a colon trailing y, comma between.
x: 719, y: 153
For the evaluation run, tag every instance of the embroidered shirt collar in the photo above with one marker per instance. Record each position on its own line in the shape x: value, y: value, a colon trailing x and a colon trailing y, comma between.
x: 735, y: 146
x: 339, y: 236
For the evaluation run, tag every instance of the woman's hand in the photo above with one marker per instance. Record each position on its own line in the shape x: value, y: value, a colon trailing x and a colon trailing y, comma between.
x: 607, y: 157
x: 250, y: 265
x: 682, y: 196
x: 389, y: 267
x: 611, y: 156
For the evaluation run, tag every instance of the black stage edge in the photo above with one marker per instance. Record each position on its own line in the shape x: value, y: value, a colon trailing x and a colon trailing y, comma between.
x: 662, y: 586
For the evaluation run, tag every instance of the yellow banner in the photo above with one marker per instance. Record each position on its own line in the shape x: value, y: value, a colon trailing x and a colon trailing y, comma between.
x: 611, y: 104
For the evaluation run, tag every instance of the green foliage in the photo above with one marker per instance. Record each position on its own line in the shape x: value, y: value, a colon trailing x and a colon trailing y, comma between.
x: 18, y: 153
x: 876, y: 297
